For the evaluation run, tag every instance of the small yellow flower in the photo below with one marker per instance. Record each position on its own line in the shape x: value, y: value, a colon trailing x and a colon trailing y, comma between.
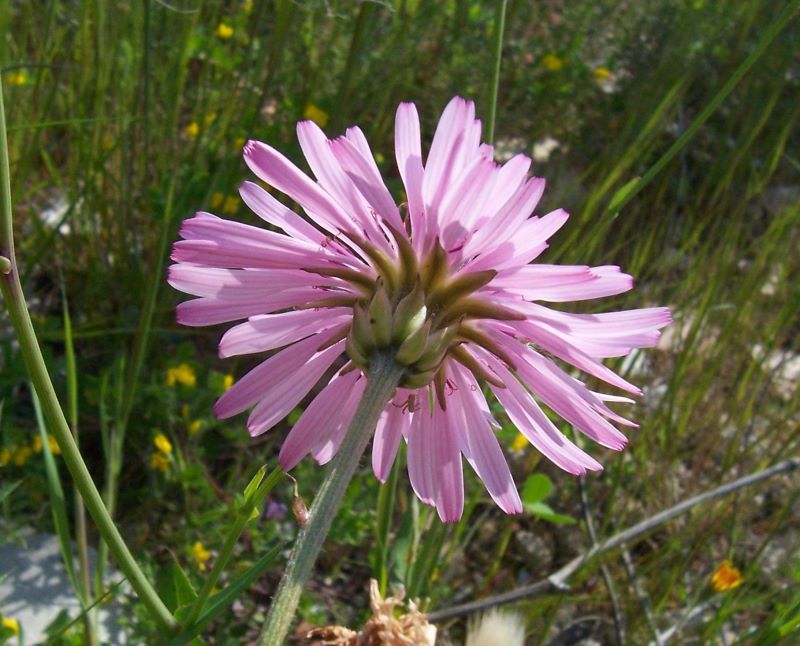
x: 231, y: 205
x: 247, y: 6
x: 194, y: 426
x: 159, y: 461
x: 18, y: 77
x: 210, y: 118
x: 162, y: 443
x: 225, y: 32
x: 519, y: 443
x: 182, y: 374
x: 11, y: 624
x: 238, y: 144
x: 22, y: 455
x: 552, y: 62
x: 201, y: 555
x: 5, y: 457
x: 217, y: 199
x: 36, y: 444
x: 192, y: 130
x: 726, y: 577
x: 227, y: 382
x: 602, y: 73
x: 55, y: 449
x: 317, y: 115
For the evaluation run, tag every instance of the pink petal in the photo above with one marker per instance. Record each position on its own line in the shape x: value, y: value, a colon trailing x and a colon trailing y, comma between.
x: 272, y: 167
x: 270, y: 210
x: 317, y: 420
x: 481, y: 448
x: 566, y: 396
x: 421, y: 466
x: 392, y: 425
x: 367, y: 179
x: 277, y: 402
x: 270, y: 331
x: 409, y: 161
x: 446, y: 454
x: 335, y: 181
x: 242, y: 284
x: 250, y: 388
x: 327, y: 446
x: 210, y: 311
x: 533, y: 423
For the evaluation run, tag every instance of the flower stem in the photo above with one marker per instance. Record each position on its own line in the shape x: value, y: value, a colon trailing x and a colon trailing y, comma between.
x: 20, y: 319
x: 499, y: 29
x: 382, y: 378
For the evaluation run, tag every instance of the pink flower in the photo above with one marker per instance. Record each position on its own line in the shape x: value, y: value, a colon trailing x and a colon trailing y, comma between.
x: 445, y: 284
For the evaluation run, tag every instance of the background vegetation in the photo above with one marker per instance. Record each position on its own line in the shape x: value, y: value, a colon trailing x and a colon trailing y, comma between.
x: 126, y: 117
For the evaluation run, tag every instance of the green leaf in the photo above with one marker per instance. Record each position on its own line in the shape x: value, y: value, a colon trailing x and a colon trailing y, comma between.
x: 254, y: 483
x: 220, y: 601
x: 620, y: 196
x: 544, y: 512
x: 174, y: 587
x: 536, y: 488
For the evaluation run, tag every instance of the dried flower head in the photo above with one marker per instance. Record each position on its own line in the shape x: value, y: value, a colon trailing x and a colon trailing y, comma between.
x: 387, y: 625
x: 444, y: 286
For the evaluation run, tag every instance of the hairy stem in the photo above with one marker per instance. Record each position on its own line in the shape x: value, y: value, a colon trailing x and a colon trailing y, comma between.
x: 382, y: 378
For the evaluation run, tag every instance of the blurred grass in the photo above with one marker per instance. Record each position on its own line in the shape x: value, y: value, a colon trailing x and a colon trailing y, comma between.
x: 130, y: 116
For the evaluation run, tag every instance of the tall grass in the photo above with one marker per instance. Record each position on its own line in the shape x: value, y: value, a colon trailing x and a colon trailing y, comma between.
x: 100, y: 124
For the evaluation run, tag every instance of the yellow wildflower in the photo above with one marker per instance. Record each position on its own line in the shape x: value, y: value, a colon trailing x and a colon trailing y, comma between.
x: 602, y: 73
x: 192, y: 130
x: 227, y: 382
x: 210, y: 118
x: 159, y: 461
x: 225, y: 32
x: 726, y: 577
x: 217, y: 199
x: 552, y: 62
x: 519, y: 443
x: 182, y: 374
x: 55, y: 449
x: 11, y: 624
x: 22, y: 455
x: 36, y: 444
x: 162, y: 443
x: 231, y: 204
x: 201, y: 555
x: 5, y: 457
x: 317, y: 115
x: 238, y: 144
x: 247, y: 6
x: 194, y: 426
x: 18, y: 77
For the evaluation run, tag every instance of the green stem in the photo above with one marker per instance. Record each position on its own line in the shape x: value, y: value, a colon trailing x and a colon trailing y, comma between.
x: 382, y: 378
x: 499, y: 30
x: 243, y: 516
x: 20, y: 319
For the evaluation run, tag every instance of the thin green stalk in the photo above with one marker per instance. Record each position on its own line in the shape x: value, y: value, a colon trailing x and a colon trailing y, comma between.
x: 23, y: 328
x: 383, y: 376
x: 243, y: 515
x: 499, y: 29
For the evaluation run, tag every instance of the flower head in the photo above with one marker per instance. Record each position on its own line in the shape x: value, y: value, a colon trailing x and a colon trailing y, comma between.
x: 10, y: 625
x: 552, y: 63
x: 444, y: 285
x: 201, y: 555
x: 181, y: 374
x: 162, y: 443
x: 224, y: 31
x: 726, y: 577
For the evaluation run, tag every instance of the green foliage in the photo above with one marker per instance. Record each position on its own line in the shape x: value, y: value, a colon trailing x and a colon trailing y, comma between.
x: 537, y: 487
